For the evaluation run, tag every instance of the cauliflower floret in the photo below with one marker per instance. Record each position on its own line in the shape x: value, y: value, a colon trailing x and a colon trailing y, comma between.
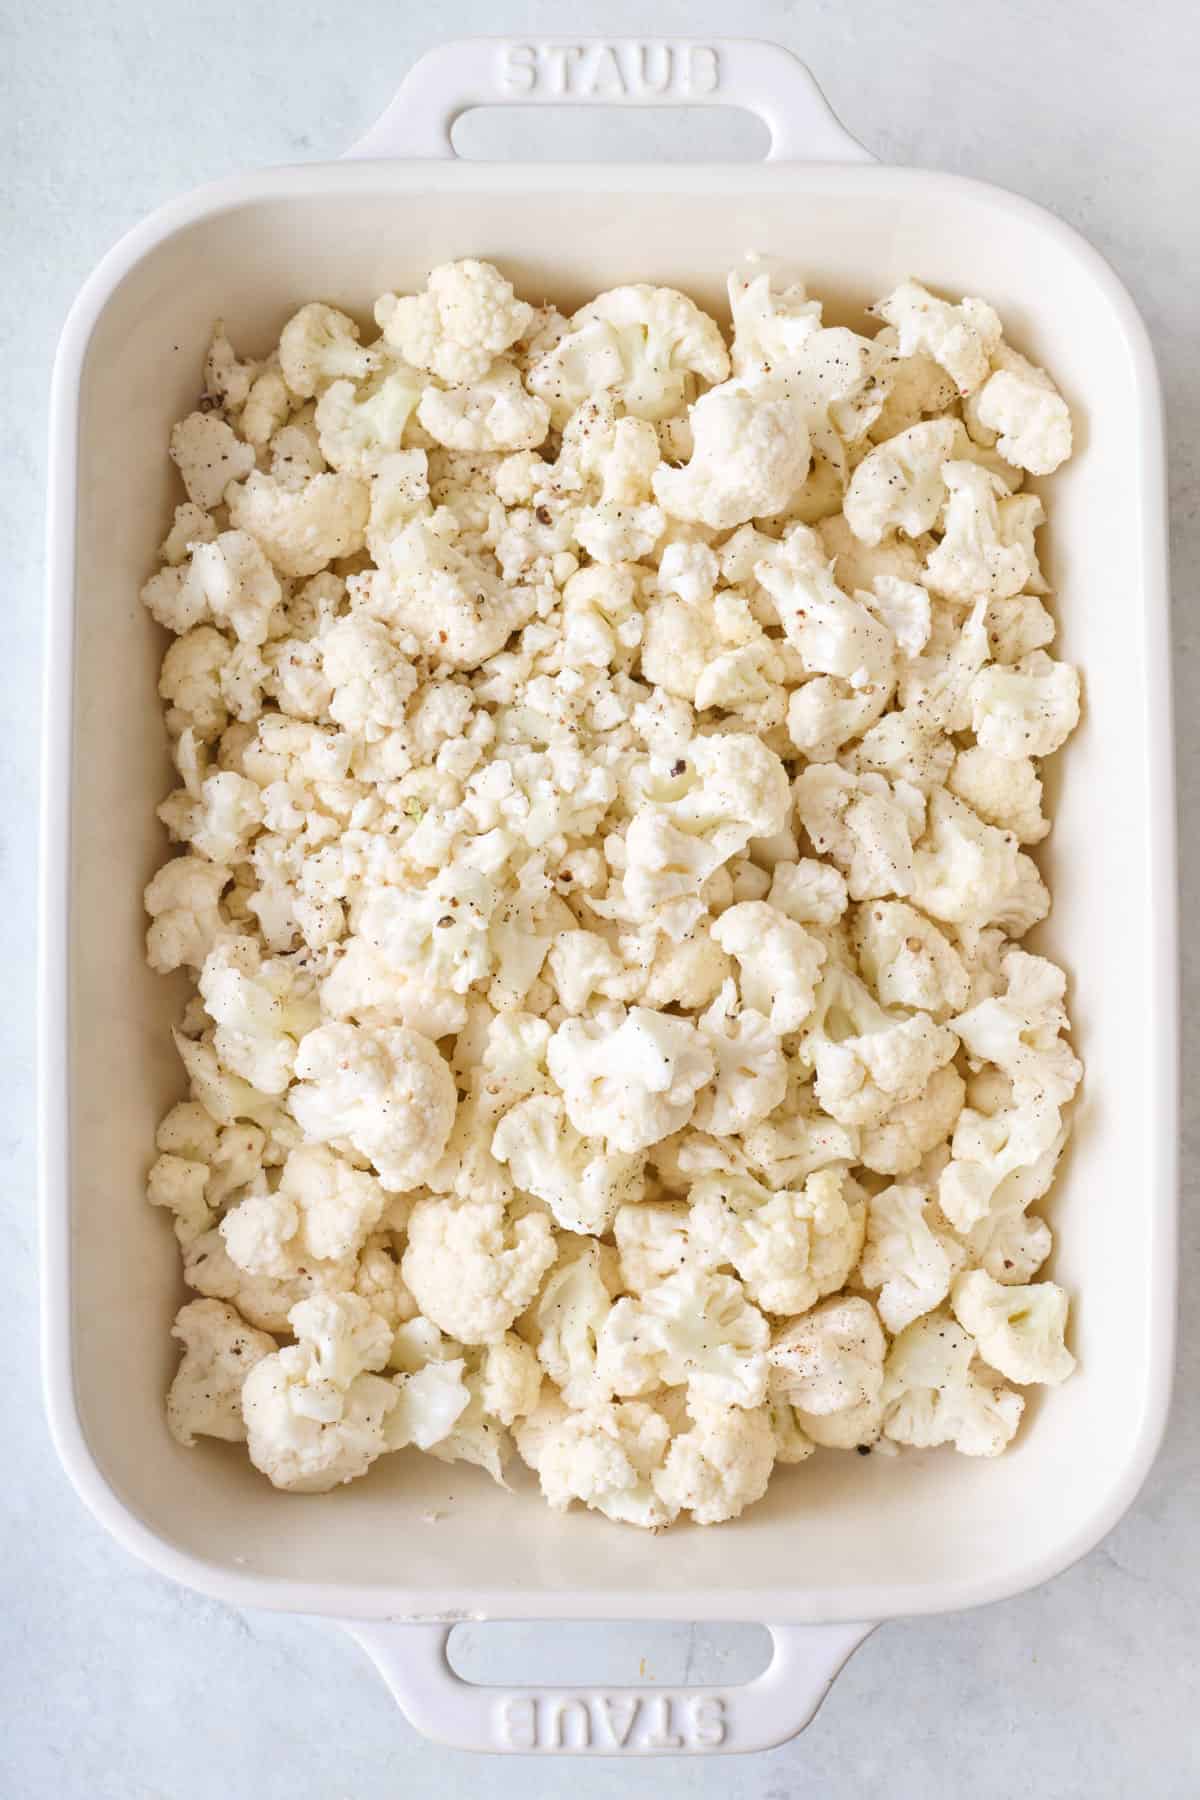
x: 750, y: 1078
x: 730, y: 789
x: 654, y: 1241
x: 750, y: 455
x: 581, y: 1182
x: 510, y: 1380
x: 990, y: 1153
x: 183, y: 901
x: 866, y: 823
x: 267, y: 407
x: 936, y: 1392
x: 868, y: 1060
x: 606, y: 1457
x: 322, y: 1208
x: 788, y: 1248
x: 457, y: 609
x: 234, y: 584
x: 220, y: 822
x: 316, y: 1414
x: 905, y: 1257
x: 302, y: 529
x: 1019, y: 1330
x: 359, y: 428
x: 721, y: 1465
x: 1027, y: 709
x: 466, y: 317
x: 261, y: 1010
x: 779, y: 963
x: 909, y: 1131
x: 1022, y: 406
x: 385, y: 1091
x: 319, y: 345
x: 695, y: 1328
x: 491, y: 413
x: 370, y: 682
x: 833, y: 634
x: 471, y: 1268
x: 632, y: 1079
x: 219, y: 1351
x: 191, y: 681
x: 191, y: 525
x: 209, y: 455
x: 1020, y: 1030
x: 961, y: 339
x: 972, y: 875
x: 857, y: 566
x: 985, y: 549
x: 568, y: 1319
x: 899, y: 486
x: 907, y: 960
x: 828, y: 1367
x: 644, y: 345
x: 809, y: 892
x: 1005, y: 791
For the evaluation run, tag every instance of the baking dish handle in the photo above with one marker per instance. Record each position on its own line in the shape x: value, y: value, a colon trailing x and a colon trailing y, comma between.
x: 762, y: 78
x: 628, y: 1721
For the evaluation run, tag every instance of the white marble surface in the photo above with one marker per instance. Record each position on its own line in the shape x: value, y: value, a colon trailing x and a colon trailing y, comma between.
x: 116, y: 1686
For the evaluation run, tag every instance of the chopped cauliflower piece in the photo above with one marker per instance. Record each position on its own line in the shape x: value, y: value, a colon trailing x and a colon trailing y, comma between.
x: 788, y: 1249
x: 581, y: 1182
x: 319, y: 345
x: 720, y: 1465
x: 631, y: 1082
x: 694, y: 1327
x: 935, y: 1391
x: 644, y: 345
x: 1022, y: 406
x: 466, y: 317
x: 750, y: 454
x: 828, y: 1366
x: 605, y: 1457
x: 219, y: 1351
x: 898, y: 486
x: 316, y: 1412
x: 385, y: 1091
x: 1019, y: 1330
x: 209, y: 455
x: 302, y: 529
x: 905, y: 1257
x: 961, y: 339
x: 779, y: 963
x: 1029, y: 708
x: 471, y: 1268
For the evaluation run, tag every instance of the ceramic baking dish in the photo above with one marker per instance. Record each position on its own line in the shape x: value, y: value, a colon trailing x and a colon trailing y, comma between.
x: 842, y: 1541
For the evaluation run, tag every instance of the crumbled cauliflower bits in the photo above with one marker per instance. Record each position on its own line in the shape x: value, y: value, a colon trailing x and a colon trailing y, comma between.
x: 606, y: 752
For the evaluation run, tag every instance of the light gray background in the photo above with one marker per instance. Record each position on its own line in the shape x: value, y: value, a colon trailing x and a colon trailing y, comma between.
x: 116, y: 1686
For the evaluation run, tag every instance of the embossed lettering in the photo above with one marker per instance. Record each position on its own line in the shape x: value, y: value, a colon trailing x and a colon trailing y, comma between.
x: 605, y: 76
x: 654, y: 66
x: 558, y: 1733
x: 516, y: 1723
x: 660, y: 1735
x: 516, y: 70
x: 703, y: 70
x: 620, y: 1715
x: 707, y: 1721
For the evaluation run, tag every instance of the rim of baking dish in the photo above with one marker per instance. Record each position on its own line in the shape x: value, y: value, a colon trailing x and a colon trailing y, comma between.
x: 393, y: 1600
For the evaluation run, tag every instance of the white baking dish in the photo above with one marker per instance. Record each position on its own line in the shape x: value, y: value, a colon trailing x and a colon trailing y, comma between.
x: 843, y: 1539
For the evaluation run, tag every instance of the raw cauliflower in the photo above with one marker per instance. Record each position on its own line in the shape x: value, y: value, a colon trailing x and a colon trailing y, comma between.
x: 604, y: 749
x: 219, y: 1351
x: 471, y: 1268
